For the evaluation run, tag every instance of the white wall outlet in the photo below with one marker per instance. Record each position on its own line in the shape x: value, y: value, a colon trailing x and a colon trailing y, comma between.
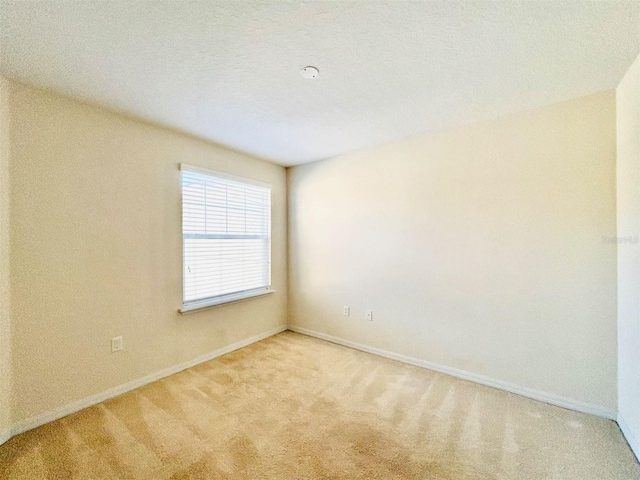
x: 116, y: 344
x: 369, y: 315
x: 346, y: 311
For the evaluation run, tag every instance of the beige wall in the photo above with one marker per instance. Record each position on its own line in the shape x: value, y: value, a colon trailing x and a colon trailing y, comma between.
x: 5, y: 306
x: 628, y: 192
x: 480, y: 248
x: 96, y: 251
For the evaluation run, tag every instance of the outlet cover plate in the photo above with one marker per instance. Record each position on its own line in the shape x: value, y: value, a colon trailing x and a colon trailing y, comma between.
x: 116, y: 344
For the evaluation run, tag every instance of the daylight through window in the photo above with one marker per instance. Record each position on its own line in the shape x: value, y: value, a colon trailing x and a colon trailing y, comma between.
x: 226, y: 235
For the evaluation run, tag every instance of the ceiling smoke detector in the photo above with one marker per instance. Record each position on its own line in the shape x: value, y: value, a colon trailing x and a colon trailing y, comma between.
x: 309, y: 72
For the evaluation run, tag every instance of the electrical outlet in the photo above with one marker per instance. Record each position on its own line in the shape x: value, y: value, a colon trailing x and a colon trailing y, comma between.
x: 116, y: 344
x: 346, y: 311
x: 369, y: 315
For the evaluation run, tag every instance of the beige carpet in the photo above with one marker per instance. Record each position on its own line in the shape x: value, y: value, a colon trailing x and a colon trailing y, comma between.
x: 293, y: 407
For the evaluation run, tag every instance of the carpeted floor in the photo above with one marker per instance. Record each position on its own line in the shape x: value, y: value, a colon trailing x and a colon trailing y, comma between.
x: 293, y: 407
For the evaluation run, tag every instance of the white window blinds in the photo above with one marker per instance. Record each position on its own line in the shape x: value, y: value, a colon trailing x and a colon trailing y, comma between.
x: 226, y: 237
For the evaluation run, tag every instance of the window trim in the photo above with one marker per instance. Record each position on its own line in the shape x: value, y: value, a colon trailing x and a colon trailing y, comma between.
x: 185, y: 167
x: 224, y: 300
x: 228, y: 298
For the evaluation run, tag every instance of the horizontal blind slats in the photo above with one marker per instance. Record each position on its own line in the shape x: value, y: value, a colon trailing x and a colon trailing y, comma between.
x: 226, y: 236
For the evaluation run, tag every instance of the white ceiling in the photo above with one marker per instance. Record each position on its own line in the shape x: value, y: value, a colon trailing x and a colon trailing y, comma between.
x: 228, y: 71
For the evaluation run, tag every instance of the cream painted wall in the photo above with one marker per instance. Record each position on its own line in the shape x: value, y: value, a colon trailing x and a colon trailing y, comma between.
x: 96, y: 251
x: 628, y: 204
x: 5, y: 305
x: 480, y: 248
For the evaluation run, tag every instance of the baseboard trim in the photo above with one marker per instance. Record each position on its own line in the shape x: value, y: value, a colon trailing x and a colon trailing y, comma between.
x: 552, y: 399
x: 629, y: 436
x: 5, y: 435
x: 58, y: 413
x: 549, y: 398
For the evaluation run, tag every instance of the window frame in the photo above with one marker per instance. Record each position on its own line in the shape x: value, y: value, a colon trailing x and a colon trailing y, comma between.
x: 233, y: 297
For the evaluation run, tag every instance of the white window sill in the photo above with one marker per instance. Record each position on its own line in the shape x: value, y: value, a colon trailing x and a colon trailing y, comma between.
x: 223, y: 300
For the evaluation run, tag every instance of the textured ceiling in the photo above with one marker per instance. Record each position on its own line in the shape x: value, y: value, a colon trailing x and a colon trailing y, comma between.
x: 228, y: 71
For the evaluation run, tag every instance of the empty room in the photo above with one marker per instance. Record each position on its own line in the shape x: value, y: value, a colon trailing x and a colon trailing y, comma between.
x: 367, y: 239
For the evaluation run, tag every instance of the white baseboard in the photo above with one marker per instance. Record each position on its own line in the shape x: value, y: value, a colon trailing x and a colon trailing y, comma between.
x: 550, y: 398
x: 5, y: 435
x: 39, y: 420
x: 632, y: 440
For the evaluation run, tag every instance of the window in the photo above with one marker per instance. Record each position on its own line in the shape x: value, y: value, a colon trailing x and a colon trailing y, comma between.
x: 226, y: 238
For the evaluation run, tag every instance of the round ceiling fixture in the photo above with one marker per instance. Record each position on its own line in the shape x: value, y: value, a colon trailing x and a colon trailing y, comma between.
x: 309, y: 72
